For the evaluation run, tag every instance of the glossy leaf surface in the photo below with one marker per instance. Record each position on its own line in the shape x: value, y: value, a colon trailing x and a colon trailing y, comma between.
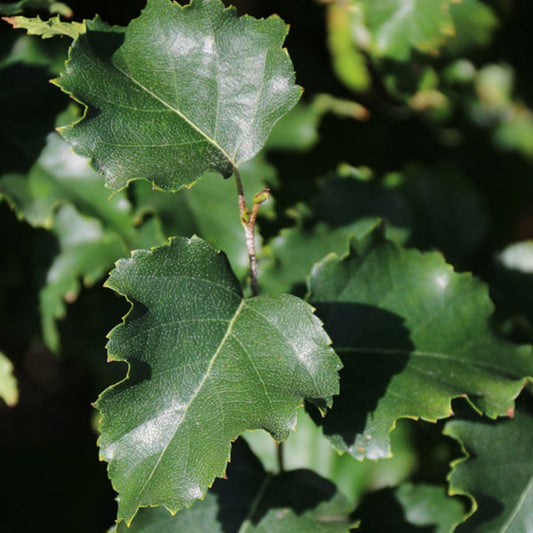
x: 412, y: 335
x: 253, y: 500
x: 180, y: 91
x: 205, y: 365
x: 497, y: 472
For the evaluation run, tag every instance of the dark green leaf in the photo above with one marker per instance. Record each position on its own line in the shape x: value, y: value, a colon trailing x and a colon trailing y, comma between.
x: 180, y: 91
x: 205, y: 365
x: 412, y: 335
x: 253, y: 500
x: 410, y: 509
x: 346, y: 207
x: 497, y: 473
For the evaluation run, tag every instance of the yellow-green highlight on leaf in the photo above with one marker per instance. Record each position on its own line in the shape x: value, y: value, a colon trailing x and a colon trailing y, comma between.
x: 348, y: 61
x: 8, y: 383
x: 180, y: 91
x: 47, y: 28
x: 412, y: 335
x: 205, y: 365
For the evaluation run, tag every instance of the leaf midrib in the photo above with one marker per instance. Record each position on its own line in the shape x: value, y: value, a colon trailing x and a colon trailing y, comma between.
x: 179, y: 114
x: 519, y: 505
x: 195, y: 394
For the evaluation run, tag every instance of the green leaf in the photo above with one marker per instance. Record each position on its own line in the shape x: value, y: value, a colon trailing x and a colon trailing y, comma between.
x: 289, y: 257
x: 50, y: 6
x: 60, y: 176
x: 475, y: 23
x: 204, y: 366
x: 412, y: 335
x: 347, y: 59
x: 8, y: 383
x: 298, y: 129
x: 346, y: 207
x: 22, y: 48
x: 180, y: 91
x: 47, y: 28
x: 410, y: 509
x: 60, y: 192
x: 308, y: 448
x: 256, y: 501
x: 87, y: 251
x: 210, y: 210
x: 397, y: 27
x: 497, y: 472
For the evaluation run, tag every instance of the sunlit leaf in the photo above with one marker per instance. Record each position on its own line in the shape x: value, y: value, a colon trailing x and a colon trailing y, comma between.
x: 180, y: 91
x: 205, y: 365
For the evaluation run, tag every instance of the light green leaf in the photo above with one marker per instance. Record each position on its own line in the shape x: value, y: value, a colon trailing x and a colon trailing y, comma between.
x: 8, y: 383
x: 347, y: 59
x: 255, y: 501
x: 410, y: 508
x: 412, y: 335
x: 180, y: 91
x: 205, y: 365
x: 497, y: 473
x: 47, y: 28
x: 87, y: 251
x: 60, y: 176
x: 518, y: 256
x: 308, y: 448
x: 397, y: 27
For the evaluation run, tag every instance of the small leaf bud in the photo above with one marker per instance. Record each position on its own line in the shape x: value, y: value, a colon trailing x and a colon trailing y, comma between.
x: 262, y: 196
